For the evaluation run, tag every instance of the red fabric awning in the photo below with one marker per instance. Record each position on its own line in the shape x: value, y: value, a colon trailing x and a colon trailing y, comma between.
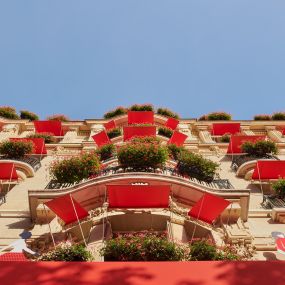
x: 177, y: 138
x: 172, y: 123
x: 140, y: 117
x: 62, y: 207
x: 53, y: 127
x: 269, y: 169
x: 13, y: 256
x: 39, y: 144
x: 8, y: 171
x: 280, y: 245
x: 101, y: 139
x: 110, y: 125
x: 237, y: 141
x: 219, y: 129
x: 138, y: 196
x: 136, y: 131
x: 208, y: 208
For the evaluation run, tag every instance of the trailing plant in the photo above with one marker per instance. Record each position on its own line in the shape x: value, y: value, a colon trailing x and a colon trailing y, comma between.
x: 24, y: 114
x: 75, y: 169
x: 142, y: 107
x: 114, y: 133
x: 116, y: 112
x: 279, y: 116
x: 142, y: 154
x: 67, y: 252
x: 226, y: 138
x: 175, y: 151
x: 262, y: 117
x: 106, y: 151
x: 8, y: 112
x: 166, y: 112
x: 194, y: 165
x: 216, y: 116
x: 58, y: 117
x: 48, y: 137
x: 166, y: 132
x: 16, y: 149
x: 141, y: 125
x: 259, y: 148
x: 279, y: 188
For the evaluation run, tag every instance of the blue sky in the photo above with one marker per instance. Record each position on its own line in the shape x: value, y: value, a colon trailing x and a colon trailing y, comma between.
x: 83, y: 58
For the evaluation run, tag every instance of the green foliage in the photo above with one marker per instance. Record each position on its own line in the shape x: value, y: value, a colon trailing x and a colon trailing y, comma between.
x: 67, y: 252
x: 106, y: 151
x: 24, y: 114
x: 279, y: 188
x: 15, y: 149
x: 175, y: 151
x: 58, y: 117
x: 114, y: 133
x: 259, y: 148
x: 163, y: 131
x: 143, y: 107
x: 75, y: 169
x: 262, y: 117
x: 8, y: 112
x: 166, y: 112
x: 196, y: 166
x: 117, y: 112
x: 142, y: 153
x: 226, y: 138
x: 141, y: 247
x: 48, y: 137
x: 279, y: 116
x: 216, y: 116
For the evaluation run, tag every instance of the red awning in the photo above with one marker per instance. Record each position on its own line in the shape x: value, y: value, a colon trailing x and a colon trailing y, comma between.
x: 110, y: 125
x: 63, y: 207
x: 219, y: 129
x: 53, y: 127
x: 8, y: 171
x: 208, y: 208
x: 101, y: 139
x: 39, y: 144
x: 13, y: 256
x: 140, y: 117
x: 138, y: 196
x: 280, y: 244
x: 172, y: 123
x: 269, y: 169
x: 136, y: 131
x: 177, y: 138
x: 237, y: 141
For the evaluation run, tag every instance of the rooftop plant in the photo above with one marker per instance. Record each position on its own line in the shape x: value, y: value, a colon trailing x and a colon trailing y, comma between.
x: 166, y: 112
x: 48, y: 137
x: 75, y: 169
x: 58, y: 117
x: 116, y: 112
x: 106, y: 151
x: 24, y: 114
x: 279, y: 188
x: 142, y: 107
x: 259, y: 148
x: 226, y: 138
x: 262, y: 117
x: 8, y: 112
x: 16, y: 149
x: 166, y: 132
x: 216, y: 116
x: 114, y: 133
x: 279, y: 116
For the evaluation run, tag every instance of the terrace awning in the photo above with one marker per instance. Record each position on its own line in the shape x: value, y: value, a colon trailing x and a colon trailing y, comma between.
x: 208, y: 208
x: 171, y: 123
x: 140, y: 117
x: 280, y: 245
x: 8, y: 171
x: 138, y: 196
x: 39, y: 144
x: 52, y: 127
x: 13, y: 256
x: 177, y: 138
x: 236, y: 142
x: 63, y: 207
x: 269, y: 169
x: 101, y: 138
x: 219, y: 129
x: 110, y: 125
x: 136, y: 131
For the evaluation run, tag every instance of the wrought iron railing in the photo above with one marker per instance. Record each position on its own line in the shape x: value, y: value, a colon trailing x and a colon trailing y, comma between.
x: 32, y: 161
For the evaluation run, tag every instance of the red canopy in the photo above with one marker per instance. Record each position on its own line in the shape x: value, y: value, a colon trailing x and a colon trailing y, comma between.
x: 137, y: 131
x: 208, y: 208
x: 140, y: 117
x: 283, y: 132
x: 13, y: 256
x: 280, y: 244
x: 237, y: 141
x: 39, y: 144
x: 269, y: 169
x: 110, y: 125
x: 219, y: 129
x: 172, y: 123
x: 177, y: 138
x: 101, y: 138
x: 138, y: 196
x: 63, y: 207
x: 8, y: 171
x: 53, y: 127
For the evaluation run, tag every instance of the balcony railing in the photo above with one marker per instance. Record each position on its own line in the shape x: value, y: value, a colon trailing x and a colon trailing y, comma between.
x: 34, y: 162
